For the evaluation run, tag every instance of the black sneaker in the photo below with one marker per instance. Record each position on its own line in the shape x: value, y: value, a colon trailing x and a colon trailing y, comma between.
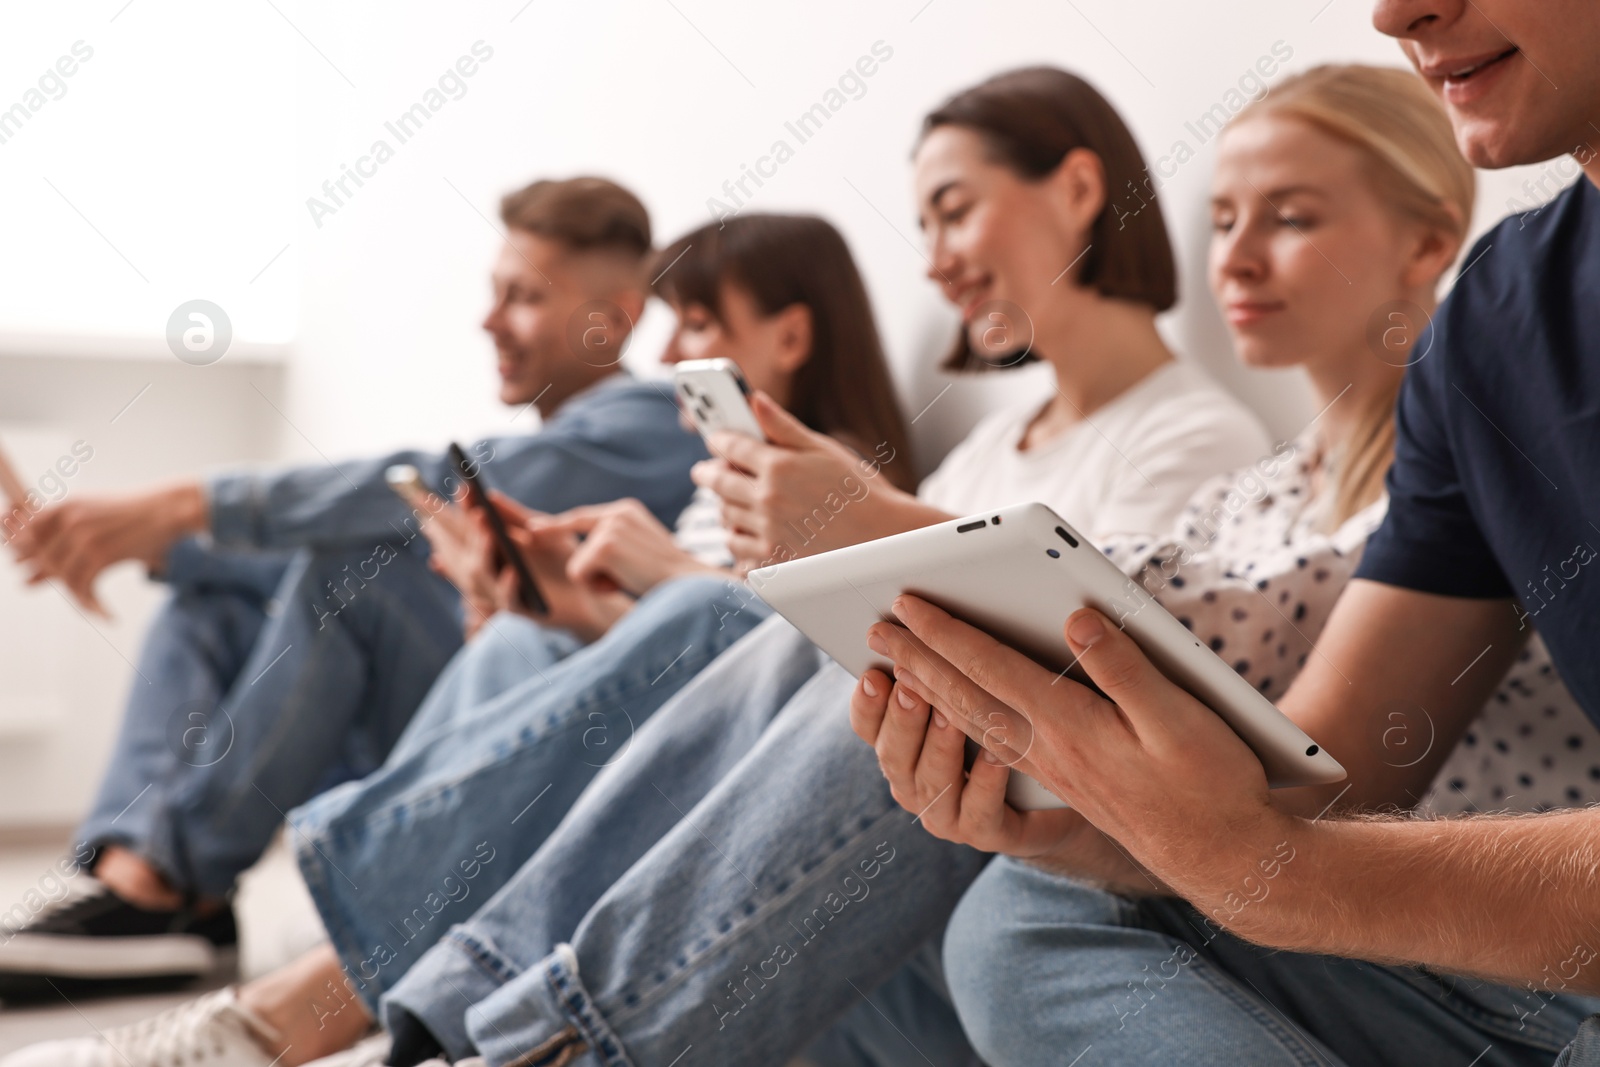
x: 94, y: 943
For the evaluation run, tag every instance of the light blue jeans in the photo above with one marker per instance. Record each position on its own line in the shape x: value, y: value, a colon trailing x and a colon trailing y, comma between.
x: 742, y: 883
x: 292, y: 658
x: 496, y: 756
x: 260, y: 688
x: 1044, y: 969
x: 738, y: 882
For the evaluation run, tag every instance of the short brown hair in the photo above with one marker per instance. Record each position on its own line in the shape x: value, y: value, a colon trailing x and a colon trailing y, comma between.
x: 1030, y: 119
x: 843, y: 389
x: 585, y: 214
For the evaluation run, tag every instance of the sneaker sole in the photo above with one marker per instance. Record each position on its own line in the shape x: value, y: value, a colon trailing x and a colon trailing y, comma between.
x: 34, y: 990
x: 53, y: 956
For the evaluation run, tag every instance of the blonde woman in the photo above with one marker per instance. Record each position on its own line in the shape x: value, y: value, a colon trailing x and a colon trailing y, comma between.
x: 1338, y: 202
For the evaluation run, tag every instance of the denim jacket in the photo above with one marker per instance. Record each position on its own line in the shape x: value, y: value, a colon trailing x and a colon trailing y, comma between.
x: 620, y: 437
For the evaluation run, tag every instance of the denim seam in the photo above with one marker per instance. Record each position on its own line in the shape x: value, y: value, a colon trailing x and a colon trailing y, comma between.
x: 495, y: 966
x: 579, y: 1007
x: 341, y: 932
x: 737, y: 931
x: 1534, y: 1034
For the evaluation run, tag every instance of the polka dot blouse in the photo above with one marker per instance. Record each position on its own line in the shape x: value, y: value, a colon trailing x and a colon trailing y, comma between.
x: 1249, y: 570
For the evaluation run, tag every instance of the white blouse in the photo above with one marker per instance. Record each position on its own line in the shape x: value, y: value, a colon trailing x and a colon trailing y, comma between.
x: 699, y: 531
x: 1248, y: 569
x: 1129, y: 465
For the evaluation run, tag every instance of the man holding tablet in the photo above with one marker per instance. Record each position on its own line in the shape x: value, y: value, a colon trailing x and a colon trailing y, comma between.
x: 305, y: 626
x: 1370, y: 924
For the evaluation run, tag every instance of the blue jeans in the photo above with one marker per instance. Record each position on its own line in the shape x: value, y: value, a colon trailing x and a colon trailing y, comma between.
x: 270, y: 676
x: 490, y: 765
x: 740, y: 881
x: 1043, y: 968
x: 265, y: 688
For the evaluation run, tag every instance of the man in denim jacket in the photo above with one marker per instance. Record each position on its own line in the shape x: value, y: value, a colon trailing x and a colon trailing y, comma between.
x: 304, y: 625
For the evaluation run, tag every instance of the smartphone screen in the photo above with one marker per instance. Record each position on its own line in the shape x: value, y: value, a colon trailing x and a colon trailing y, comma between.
x: 478, y: 497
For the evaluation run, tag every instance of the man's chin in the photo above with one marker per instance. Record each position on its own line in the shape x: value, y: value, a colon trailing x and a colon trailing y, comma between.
x: 1496, y: 143
x: 1487, y: 149
x: 515, y: 394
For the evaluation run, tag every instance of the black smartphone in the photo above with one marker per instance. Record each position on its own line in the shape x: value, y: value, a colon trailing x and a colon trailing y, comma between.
x: 478, y: 497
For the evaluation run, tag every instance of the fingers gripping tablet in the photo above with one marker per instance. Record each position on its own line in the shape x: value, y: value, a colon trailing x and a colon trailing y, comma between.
x: 1017, y: 573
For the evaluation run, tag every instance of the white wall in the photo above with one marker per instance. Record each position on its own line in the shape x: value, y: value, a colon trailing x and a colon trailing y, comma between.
x: 191, y: 142
x: 661, y: 97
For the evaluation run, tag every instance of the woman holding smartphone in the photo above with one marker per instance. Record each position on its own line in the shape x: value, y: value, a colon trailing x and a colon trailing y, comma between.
x: 738, y: 803
x: 521, y: 714
x: 1342, y: 170
x: 804, y: 338
x: 1016, y: 180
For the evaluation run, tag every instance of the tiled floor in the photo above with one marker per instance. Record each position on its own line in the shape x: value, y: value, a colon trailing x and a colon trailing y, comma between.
x: 277, y: 923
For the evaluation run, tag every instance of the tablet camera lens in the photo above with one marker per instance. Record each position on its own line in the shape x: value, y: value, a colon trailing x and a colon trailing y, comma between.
x: 1312, y: 751
x: 1053, y: 553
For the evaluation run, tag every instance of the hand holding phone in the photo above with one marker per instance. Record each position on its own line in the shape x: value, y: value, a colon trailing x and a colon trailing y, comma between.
x: 478, y: 498
x: 716, y: 397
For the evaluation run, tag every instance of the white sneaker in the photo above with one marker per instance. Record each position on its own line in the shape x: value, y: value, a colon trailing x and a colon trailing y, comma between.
x: 369, y: 1053
x: 216, y: 1031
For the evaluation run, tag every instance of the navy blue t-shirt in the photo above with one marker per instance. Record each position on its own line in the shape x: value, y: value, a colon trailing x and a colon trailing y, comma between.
x: 1495, y: 488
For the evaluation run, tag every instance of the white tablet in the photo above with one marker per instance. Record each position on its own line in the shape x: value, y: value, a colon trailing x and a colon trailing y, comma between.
x: 1017, y: 573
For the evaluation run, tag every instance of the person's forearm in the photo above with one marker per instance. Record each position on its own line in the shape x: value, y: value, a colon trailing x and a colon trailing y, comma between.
x: 899, y: 511
x: 188, y: 509
x: 1513, y: 898
x: 179, y: 510
x: 883, y: 512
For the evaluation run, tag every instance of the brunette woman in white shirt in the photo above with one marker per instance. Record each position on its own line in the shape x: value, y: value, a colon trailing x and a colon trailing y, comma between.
x: 1338, y: 203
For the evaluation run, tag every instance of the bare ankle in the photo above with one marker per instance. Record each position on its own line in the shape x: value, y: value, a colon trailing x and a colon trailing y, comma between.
x: 132, y: 878
x: 311, y: 1006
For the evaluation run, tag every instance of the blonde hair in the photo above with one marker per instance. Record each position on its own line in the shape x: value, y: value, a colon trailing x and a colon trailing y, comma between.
x: 1416, y: 168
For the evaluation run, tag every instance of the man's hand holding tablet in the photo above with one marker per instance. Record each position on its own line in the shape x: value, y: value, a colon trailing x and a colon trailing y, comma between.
x: 1014, y: 630
x: 1146, y: 765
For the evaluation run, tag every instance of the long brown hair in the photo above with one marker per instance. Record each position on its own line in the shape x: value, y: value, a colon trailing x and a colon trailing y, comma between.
x: 843, y: 389
x: 1030, y: 119
x: 1413, y: 162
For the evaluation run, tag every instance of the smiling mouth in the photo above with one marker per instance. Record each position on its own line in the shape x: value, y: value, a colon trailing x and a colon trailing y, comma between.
x: 969, y: 299
x: 1469, y: 72
x: 1246, y: 312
